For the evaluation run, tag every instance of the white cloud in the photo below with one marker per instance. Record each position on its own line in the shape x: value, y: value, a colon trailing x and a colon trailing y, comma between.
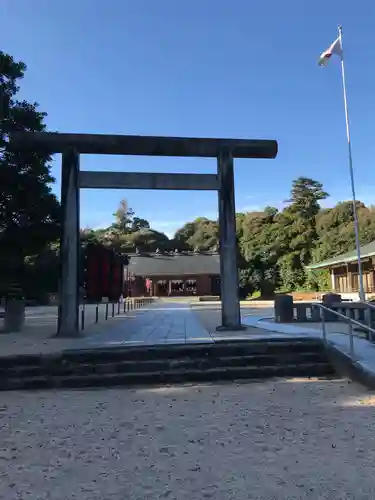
x: 260, y: 207
x: 250, y: 208
x: 167, y: 223
x: 169, y: 227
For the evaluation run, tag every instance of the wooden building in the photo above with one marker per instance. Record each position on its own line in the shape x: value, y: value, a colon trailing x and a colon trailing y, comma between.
x: 344, y: 270
x: 174, y: 274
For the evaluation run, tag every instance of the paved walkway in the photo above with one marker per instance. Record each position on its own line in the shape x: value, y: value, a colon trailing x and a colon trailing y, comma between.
x: 159, y: 323
x: 38, y: 334
x: 166, y: 321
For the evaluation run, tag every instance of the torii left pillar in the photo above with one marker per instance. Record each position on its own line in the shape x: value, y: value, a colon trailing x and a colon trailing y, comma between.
x: 68, y: 323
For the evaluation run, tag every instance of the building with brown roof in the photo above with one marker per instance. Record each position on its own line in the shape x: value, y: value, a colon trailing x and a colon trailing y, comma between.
x: 174, y: 273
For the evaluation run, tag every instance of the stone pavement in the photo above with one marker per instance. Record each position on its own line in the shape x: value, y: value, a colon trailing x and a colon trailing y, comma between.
x: 165, y: 322
x: 38, y: 335
x: 209, y: 315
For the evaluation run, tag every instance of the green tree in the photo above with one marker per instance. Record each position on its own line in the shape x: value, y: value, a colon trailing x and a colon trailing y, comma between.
x: 259, y: 247
x: 202, y: 234
x: 29, y: 211
x: 298, y: 224
x: 139, y: 224
x: 124, y: 218
x: 335, y: 227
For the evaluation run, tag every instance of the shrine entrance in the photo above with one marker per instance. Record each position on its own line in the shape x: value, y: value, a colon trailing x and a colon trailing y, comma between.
x: 72, y: 179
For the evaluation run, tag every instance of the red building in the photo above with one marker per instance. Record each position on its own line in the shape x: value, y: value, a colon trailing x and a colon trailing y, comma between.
x: 102, y: 272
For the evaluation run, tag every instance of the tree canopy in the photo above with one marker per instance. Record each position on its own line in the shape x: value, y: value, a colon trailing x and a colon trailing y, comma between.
x: 29, y: 211
x: 275, y: 246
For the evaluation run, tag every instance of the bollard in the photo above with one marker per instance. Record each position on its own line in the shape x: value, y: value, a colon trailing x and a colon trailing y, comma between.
x: 284, y: 308
x: 97, y: 314
x: 124, y: 306
x: 106, y: 311
x: 118, y: 308
x: 14, y: 318
x: 82, y: 319
x: 329, y: 300
x: 113, y: 309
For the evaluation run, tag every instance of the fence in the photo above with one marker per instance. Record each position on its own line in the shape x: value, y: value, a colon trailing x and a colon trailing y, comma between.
x: 94, y: 313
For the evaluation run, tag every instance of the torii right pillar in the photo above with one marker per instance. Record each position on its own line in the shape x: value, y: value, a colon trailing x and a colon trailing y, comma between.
x: 230, y: 305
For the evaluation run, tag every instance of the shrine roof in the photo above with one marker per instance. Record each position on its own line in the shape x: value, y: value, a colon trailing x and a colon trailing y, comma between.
x: 176, y: 264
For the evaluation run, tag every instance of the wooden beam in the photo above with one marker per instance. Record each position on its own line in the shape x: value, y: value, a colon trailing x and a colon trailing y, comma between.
x: 143, y: 180
x: 52, y: 142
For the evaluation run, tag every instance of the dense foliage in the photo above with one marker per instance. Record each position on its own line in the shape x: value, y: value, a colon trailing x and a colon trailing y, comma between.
x: 29, y: 212
x: 274, y: 246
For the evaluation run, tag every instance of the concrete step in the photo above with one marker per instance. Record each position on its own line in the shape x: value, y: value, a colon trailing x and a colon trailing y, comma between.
x: 63, y: 367
x: 173, y: 376
x: 166, y: 364
x: 217, y: 349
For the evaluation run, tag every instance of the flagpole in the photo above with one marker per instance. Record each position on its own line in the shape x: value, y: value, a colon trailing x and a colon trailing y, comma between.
x: 362, y: 296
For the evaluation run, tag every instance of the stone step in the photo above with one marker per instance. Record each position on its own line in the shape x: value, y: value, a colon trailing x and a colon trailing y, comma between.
x: 64, y: 367
x: 173, y: 376
x: 217, y: 349
x: 166, y: 364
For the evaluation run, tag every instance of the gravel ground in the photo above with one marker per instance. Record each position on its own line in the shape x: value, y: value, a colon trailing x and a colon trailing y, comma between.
x: 281, y: 439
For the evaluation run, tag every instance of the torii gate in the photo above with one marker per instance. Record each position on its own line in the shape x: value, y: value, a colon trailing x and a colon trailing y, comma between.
x: 73, y: 145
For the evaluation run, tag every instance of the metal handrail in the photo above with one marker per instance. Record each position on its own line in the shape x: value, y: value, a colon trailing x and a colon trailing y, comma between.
x: 350, y: 322
x: 369, y: 305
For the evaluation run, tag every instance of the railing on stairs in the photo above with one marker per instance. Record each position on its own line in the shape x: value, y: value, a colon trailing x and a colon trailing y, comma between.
x: 350, y: 321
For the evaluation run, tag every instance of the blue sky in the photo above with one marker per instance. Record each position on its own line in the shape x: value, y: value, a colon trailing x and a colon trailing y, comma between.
x: 209, y: 68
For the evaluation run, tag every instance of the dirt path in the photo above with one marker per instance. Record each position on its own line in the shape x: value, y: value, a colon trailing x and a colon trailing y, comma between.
x: 282, y: 439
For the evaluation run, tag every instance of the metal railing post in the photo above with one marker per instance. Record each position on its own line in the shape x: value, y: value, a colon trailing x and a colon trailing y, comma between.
x: 368, y: 319
x: 113, y: 309
x: 106, y: 311
x: 324, y: 326
x: 97, y: 313
x: 82, y: 318
x: 351, y: 340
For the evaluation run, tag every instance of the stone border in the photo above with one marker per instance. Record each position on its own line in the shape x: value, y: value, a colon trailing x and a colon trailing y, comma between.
x: 346, y: 366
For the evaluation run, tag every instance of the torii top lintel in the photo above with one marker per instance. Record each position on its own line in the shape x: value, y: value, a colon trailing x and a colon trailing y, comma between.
x: 54, y: 142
